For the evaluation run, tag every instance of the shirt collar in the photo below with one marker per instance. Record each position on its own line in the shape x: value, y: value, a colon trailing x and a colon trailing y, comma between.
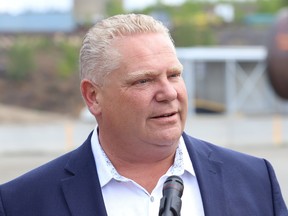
x: 106, y: 171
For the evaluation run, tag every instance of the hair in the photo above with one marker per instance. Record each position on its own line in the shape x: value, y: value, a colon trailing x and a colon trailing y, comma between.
x: 98, y: 57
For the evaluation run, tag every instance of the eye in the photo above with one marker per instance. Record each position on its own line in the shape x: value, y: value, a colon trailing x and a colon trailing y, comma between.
x: 142, y: 81
x: 175, y: 75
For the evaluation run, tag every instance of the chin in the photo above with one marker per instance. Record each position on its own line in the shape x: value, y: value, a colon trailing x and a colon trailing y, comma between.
x: 169, y: 137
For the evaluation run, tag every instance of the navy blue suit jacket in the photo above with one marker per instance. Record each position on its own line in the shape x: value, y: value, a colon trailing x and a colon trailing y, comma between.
x: 231, y: 184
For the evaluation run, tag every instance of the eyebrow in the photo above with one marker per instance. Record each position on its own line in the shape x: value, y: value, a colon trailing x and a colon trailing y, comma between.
x: 149, y: 73
x: 177, y: 68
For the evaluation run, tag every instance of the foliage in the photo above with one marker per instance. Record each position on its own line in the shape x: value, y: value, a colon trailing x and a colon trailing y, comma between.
x: 21, y: 61
x: 271, y: 6
x: 191, y: 35
x: 43, y: 43
x: 191, y: 24
x: 193, y: 21
x: 68, y: 63
x: 28, y: 54
x: 114, y: 7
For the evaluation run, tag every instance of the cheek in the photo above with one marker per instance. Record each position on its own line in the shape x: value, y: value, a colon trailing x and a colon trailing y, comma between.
x: 124, y: 103
x: 139, y: 97
x: 182, y: 92
x: 184, y: 96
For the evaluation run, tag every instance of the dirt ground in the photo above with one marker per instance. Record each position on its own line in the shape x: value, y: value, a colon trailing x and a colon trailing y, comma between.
x: 60, y: 96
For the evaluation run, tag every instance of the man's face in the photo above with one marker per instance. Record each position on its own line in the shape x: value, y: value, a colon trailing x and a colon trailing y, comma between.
x: 145, y: 100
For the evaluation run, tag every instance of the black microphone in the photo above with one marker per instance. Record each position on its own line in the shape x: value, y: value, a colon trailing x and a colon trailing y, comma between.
x: 170, y: 203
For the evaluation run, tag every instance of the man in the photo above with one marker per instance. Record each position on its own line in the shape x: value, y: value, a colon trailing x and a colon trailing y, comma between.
x: 131, y: 82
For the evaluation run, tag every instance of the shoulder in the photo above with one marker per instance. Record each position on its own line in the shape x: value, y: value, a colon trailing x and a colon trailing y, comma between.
x: 40, y: 185
x: 223, y: 155
x: 235, y: 167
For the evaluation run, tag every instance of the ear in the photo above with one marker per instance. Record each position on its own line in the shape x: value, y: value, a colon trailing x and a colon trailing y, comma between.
x: 90, y: 93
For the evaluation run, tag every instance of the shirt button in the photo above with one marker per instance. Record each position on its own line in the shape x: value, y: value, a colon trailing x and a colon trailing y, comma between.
x: 152, y: 199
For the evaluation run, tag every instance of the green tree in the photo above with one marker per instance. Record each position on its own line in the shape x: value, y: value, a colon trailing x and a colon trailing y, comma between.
x: 271, y: 6
x: 190, y: 25
x: 114, y: 7
x: 21, y: 62
x: 190, y: 35
x: 68, y: 63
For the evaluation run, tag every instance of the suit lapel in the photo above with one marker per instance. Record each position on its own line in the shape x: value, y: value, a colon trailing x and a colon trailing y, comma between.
x: 82, y: 189
x: 208, y: 169
x: 83, y: 192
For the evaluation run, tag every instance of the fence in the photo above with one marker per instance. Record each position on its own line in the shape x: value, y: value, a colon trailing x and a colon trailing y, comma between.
x: 229, y: 80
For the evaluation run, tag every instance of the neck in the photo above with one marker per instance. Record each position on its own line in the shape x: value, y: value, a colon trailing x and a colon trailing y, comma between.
x: 145, y: 174
x: 137, y: 151
x: 144, y: 163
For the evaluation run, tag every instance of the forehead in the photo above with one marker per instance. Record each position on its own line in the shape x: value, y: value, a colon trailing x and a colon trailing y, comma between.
x: 140, y: 45
x: 145, y: 50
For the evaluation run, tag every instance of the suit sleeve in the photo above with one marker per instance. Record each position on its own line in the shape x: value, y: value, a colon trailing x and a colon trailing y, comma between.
x: 2, y: 213
x: 280, y: 208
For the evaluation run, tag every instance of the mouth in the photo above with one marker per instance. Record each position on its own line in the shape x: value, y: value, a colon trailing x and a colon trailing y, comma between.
x: 166, y: 115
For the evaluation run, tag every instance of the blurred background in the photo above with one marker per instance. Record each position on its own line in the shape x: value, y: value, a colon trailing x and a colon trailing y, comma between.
x: 235, y: 57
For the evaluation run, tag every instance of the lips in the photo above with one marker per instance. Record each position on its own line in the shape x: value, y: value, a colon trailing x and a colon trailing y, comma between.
x: 165, y: 115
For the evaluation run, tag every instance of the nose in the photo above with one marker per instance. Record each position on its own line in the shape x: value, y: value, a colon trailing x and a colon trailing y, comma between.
x: 166, y: 91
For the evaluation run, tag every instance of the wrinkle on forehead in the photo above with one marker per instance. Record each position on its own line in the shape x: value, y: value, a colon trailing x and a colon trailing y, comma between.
x: 140, y: 73
x: 144, y: 42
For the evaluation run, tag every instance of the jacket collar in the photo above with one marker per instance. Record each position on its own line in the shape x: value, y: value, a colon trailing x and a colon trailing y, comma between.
x: 83, y: 183
x: 82, y: 188
x: 208, y: 170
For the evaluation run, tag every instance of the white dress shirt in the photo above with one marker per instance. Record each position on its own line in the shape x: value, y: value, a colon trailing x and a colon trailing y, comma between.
x: 124, y: 197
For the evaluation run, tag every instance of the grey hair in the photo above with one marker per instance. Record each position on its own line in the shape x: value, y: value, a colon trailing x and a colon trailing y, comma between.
x: 98, y: 57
